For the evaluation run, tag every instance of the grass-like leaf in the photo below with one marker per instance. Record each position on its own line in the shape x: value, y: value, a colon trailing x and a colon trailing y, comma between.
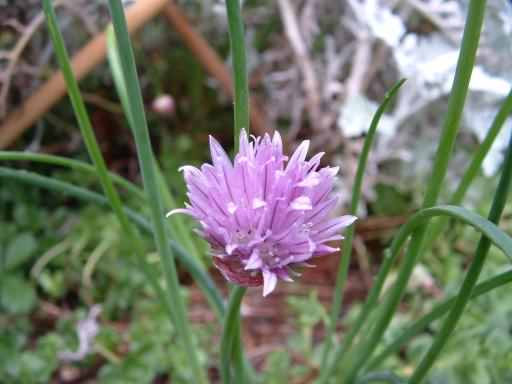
x: 473, y: 168
x: 471, y: 278
x: 77, y: 165
x: 198, y: 273
x: 465, y: 63
x: 177, y: 225
x: 95, y: 152
x: 146, y: 162
x: 435, y: 314
x: 346, y: 251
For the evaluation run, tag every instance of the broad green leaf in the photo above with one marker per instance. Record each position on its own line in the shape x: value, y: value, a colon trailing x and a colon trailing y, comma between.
x: 17, y: 296
x: 19, y: 250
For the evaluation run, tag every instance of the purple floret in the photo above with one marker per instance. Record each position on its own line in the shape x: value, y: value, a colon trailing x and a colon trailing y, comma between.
x: 265, y: 214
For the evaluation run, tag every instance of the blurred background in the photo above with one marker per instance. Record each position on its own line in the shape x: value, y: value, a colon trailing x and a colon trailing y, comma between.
x: 74, y: 309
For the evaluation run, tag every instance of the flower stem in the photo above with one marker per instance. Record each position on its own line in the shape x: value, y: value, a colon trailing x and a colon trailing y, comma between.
x: 230, y: 347
x: 237, y: 42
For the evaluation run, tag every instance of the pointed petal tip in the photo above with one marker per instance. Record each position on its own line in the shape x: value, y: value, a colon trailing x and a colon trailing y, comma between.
x: 177, y: 210
x: 301, y: 203
x: 258, y: 203
x: 254, y: 261
x: 230, y: 248
x: 349, y: 219
x: 269, y: 282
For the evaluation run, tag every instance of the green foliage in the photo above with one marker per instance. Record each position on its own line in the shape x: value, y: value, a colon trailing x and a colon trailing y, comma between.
x: 84, y: 261
x: 277, y: 368
x: 308, y: 313
x: 17, y: 296
x: 19, y: 250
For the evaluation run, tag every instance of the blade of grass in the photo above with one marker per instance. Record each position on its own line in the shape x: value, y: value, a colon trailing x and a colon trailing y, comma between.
x: 436, y: 313
x: 498, y: 204
x: 95, y: 153
x: 146, y: 161
x: 177, y: 226
x: 71, y: 164
x: 486, y: 227
x: 346, y: 251
x: 474, y: 167
x: 202, y: 279
x: 198, y: 273
x: 381, y: 377
x: 465, y: 63
x: 237, y: 43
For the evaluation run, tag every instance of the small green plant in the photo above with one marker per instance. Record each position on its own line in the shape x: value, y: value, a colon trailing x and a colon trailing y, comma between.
x: 358, y: 357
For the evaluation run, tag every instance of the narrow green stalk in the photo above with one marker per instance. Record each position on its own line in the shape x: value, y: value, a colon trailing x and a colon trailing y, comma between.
x: 466, y: 60
x: 368, y: 307
x: 72, y: 164
x: 474, y: 167
x: 436, y: 313
x: 192, y: 265
x: 95, y: 152
x: 419, y: 219
x: 237, y: 42
x: 231, y: 343
x: 381, y: 378
x: 228, y: 350
x: 177, y: 226
x: 151, y: 187
x: 198, y: 273
x: 498, y: 204
x: 346, y: 252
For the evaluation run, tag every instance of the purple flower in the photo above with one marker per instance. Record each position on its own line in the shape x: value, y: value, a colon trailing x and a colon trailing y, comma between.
x: 265, y: 214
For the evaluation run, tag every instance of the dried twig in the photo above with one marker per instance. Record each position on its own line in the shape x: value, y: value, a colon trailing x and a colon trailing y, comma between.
x: 94, y: 53
x: 83, y: 62
x: 304, y: 62
x: 210, y: 61
x: 14, y: 56
x: 357, y: 80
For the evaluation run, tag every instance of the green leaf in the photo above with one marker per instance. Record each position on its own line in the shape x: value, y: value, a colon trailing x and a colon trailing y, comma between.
x: 346, y: 252
x: 17, y: 296
x: 19, y: 250
x: 150, y: 181
x: 460, y: 86
x: 53, y: 283
x: 277, y: 367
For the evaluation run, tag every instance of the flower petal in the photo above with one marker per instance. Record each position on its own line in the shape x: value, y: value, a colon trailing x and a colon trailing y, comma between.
x: 299, y: 155
x: 232, y: 207
x: 178, y: 210
x: 311, y: 180
x: 269, y: 282
x: 301, y: 203
x: 258, y: 203
x: 254, y: 261
x: 219, y: 156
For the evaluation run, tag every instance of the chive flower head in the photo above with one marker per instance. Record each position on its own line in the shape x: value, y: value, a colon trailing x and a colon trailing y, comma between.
x: 264, y: 214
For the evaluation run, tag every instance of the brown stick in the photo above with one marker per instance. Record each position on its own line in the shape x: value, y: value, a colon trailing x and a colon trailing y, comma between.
x: 311, y: 88
x: 83, y: 62
x: 210, y: 60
